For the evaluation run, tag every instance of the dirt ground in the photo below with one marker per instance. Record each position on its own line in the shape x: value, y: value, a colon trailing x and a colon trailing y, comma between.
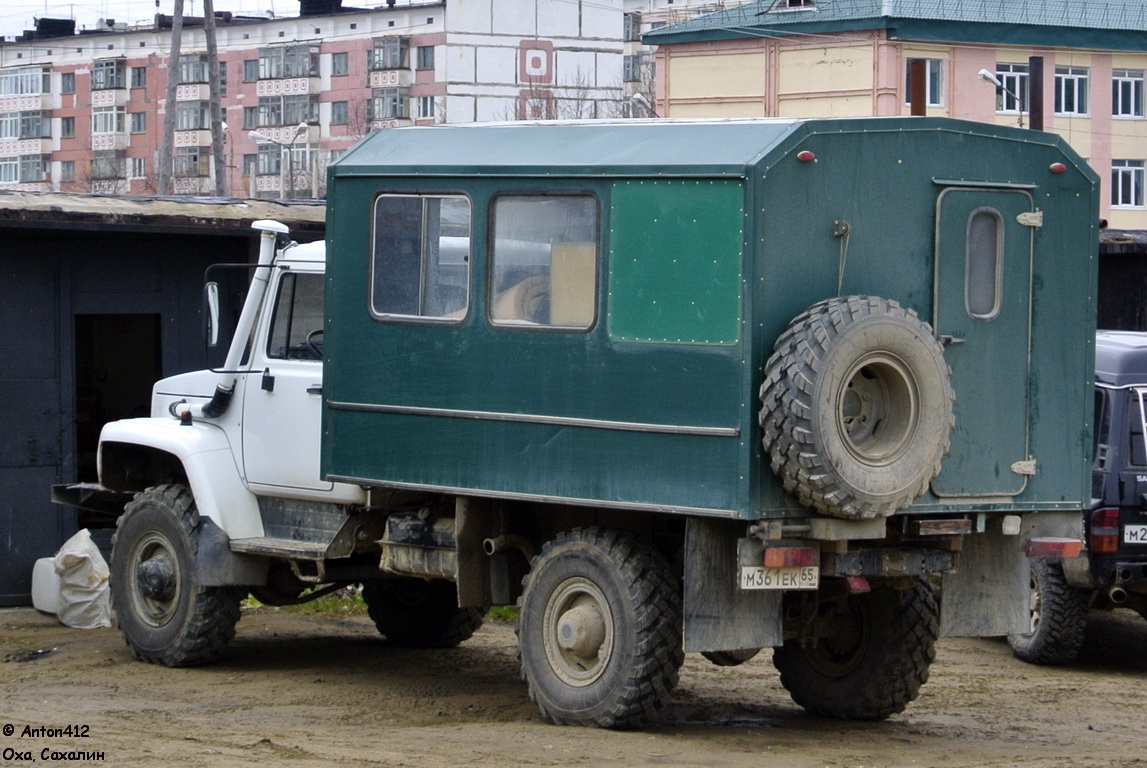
x: 305, y: 691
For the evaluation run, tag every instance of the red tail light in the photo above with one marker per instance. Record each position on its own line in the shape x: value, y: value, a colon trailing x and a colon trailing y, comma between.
x: 1105, y: 531
x: 787, y: 557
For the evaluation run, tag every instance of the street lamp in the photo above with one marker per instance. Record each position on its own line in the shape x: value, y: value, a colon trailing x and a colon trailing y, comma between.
x: 290, y: 147
x: 990, y: 77
x: 639, y: 98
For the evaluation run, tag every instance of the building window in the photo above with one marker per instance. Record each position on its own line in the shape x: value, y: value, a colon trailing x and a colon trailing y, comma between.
x: 108, y: 73
x: 9, y: 169
x: 1071, y: 91
x: 426, y: 106
x: 420, y: 264
x: 68, y: 170
x: 389, y: 103
x: 10, y: 125
x: 1012, y: 93
x: 631, y: 67
x: 190, y: 162
x: 107, y: 164
x: 424, y: 57
x: 68, y: 82
x: 933, y: 84
x: 1127, y: 93
x: 250, y: 162
x: 138, y: 122
x: 282, y: 61
x: 193, y: 68
x: 35, y: 125
x: 33, y: 168
x: 389, y: 53
x: 545, y: 274
x: 250, y: 118
x: 983, y: 264
x: 288, y: 110
x: 67, y: 127
x: 138, y: 77
x: 631, y: 29
x: 136, y: 168
x: 192, y: 115
x: 1127, y: 183
x: 338, y: 113
x: 25, y: 81
x: 340, y: 63
x: 250, y: 70
x: 270, y: 159
x: 108, y: 120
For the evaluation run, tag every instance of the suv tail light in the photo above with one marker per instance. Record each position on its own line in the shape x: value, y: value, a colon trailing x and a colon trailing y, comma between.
x: 1105, y: 531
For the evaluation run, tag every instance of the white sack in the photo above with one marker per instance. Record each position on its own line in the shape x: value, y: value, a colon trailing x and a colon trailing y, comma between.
x: 84, y: 599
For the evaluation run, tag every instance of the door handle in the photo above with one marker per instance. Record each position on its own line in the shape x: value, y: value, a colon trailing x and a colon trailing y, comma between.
x: 315, y: 389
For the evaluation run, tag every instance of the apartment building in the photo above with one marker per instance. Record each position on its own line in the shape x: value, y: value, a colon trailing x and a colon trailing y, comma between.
x: 814, y: 58
x: 84, y: 113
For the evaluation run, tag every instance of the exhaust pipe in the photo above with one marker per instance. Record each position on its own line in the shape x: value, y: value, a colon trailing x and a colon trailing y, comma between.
x: 1117, y: 595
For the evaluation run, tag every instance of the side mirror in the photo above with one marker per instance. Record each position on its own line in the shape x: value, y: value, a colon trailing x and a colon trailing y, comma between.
x: 211, y: 314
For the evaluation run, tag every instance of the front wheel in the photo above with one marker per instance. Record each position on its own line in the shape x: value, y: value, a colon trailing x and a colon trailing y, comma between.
x: 1057, y: 615
x: 868, y: 656
x: 164, y: 615
x: 599, y: 631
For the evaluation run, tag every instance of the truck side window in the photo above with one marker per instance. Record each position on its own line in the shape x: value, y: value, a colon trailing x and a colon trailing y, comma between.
x: 984, y: 268
x: 297, y: 325
x: 1102, y: 428
x: 1138, y: 451
x: 544, y: 261
x: 420, y: 266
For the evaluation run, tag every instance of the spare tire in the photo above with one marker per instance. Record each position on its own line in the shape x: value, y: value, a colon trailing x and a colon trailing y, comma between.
x: 857, y: 407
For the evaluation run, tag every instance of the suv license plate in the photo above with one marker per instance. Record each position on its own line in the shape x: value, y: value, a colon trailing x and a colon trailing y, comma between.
x: 793, y: 577
x: 1135, y: 534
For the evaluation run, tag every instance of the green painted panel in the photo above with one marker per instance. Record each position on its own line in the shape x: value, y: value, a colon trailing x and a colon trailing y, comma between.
x: 675, y: 261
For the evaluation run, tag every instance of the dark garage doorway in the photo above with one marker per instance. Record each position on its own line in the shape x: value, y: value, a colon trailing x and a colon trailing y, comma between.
x: 118, y: 358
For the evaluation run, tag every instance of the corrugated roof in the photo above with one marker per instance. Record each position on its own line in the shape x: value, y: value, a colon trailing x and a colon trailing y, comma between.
x: 958, y: 17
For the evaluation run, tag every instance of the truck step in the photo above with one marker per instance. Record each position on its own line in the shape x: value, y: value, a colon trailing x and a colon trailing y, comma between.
x: 289, y: 548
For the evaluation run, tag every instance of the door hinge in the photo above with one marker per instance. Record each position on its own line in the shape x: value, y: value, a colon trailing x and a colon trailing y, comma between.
x: 1026, y: 467
x: 1031, y: 218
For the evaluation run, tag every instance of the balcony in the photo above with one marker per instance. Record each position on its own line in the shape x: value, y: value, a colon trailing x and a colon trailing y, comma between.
x: 288, y: 86
x: 193, y: 92
x: 390, y: 78
x: 26, y: 103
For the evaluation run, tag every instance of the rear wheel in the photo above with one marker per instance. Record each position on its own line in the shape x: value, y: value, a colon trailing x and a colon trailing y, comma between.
x: 1058, y: 615
x: 865, y: 656
x: 164, y: 615
x: 599, y: 631
x: 420, y: 613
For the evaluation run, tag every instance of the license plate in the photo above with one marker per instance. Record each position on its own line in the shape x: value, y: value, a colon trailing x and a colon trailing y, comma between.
x: 794, y: 577
x: 1135, y: 534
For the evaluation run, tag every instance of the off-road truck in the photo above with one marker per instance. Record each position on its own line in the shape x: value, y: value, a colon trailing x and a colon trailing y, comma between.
x: 669, y: 386
x: 1113, y: 571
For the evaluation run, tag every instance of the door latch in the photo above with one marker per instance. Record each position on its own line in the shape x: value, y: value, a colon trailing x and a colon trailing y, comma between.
x: 268, y: 383
x: 1031, y: 218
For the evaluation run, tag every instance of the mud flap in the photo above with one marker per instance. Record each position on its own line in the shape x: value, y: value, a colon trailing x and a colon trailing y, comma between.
x: 217, y: 566
x: 719, y: 615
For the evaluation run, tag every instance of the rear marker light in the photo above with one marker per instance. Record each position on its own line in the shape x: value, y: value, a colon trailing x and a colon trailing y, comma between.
x: 857, y: 585
x: 1057, y: 168
x: 1050, y: 547
x: 789, y: 557
x: 805, y: 156
x: 1105, y: 531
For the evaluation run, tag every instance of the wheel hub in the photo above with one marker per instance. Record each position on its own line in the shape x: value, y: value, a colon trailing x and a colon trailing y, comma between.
x: 156, y: 578
x: 581, y: 631
x: 877, y: 409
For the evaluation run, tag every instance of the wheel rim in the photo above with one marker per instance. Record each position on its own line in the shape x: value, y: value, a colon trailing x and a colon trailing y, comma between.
x: 578, y: 632
x: 156, y: 579
x: 844, y: 648
x: 877, y: 408
x: 1035, y: 602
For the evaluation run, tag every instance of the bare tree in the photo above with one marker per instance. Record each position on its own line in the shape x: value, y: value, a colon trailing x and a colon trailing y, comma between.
x: 213, y: 89
x: 167, y: 141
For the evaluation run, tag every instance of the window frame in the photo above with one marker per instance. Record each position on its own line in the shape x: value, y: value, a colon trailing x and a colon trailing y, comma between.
x: 1015, y: 79
x: 420, y: 319
x: 997, y: 264
x: 1073, y: 82
x: 108, y: 74
x: 137, y: 122
x: 934, y: 75
x: 138, y: 77
x: 1132, y: 81
x: 492, y: 261
x: 424, y: 57
x: 1134, y: 169
x: 340, y: 64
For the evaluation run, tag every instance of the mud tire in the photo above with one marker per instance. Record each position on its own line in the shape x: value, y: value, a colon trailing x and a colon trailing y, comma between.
x: 165, y: 616
x: 1058, y: 614
x: 875, y: 664
x: 621, y: 597
x: 857, y: 407
x: 420, y: 613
